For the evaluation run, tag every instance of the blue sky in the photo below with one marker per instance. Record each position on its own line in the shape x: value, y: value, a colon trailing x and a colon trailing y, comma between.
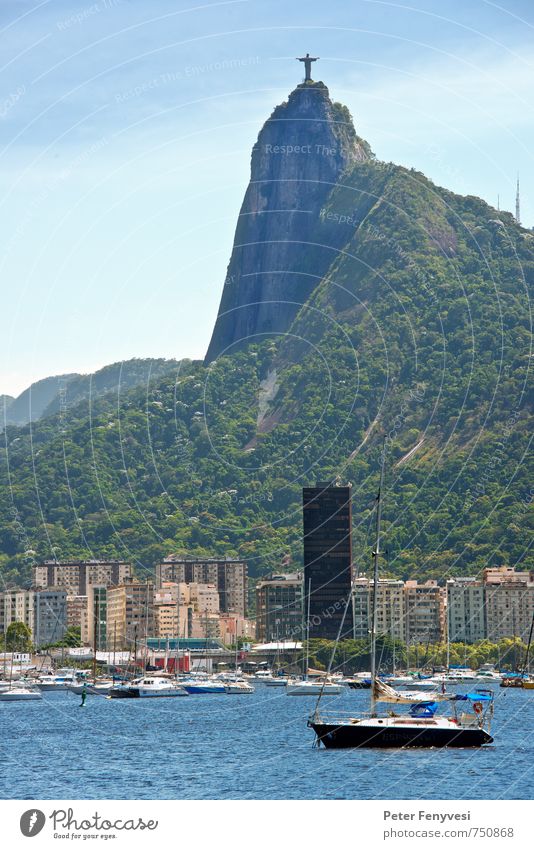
x: 126, y: 130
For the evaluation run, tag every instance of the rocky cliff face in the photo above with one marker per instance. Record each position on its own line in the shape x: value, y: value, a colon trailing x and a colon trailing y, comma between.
x: 301, y: 153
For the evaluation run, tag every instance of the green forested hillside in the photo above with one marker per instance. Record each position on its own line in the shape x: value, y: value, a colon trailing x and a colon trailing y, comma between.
x: 420, y: 334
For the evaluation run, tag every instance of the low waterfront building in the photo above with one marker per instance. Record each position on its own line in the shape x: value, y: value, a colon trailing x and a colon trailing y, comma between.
x: 279, y: 612
x: 466, y: 610
x: 233, y: 627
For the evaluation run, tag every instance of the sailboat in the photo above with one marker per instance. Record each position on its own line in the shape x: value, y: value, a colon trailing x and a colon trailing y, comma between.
x: 421, y: 727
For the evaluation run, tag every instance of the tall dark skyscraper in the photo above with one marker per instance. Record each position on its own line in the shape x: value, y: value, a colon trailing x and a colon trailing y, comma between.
x: 327, y: 518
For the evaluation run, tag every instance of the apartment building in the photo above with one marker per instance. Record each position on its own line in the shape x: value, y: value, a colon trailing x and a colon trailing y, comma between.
x: 390, y: 608
x: 75, y: 576
x: 424, y: 612
x: 44, y: 612
x: 509, y: 607
x: 279, y: 613
x: 130, y: 613
x: 466, y: 610
x: 229, y: 576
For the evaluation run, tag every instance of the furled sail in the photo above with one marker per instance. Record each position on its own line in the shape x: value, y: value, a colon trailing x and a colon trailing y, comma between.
x: 385, y: 693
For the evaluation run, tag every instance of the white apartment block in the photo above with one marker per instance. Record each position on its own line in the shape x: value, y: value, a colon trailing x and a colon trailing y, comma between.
x: 509, y: 608
x: 17, y: 605
x: 424, y: 612
x: 466, y: 610
x: 390, y: 608
x: 43, y: 612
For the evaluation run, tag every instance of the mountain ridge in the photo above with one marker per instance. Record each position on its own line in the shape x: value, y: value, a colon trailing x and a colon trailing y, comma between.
x: 44, y: 397
x: 414, y: 338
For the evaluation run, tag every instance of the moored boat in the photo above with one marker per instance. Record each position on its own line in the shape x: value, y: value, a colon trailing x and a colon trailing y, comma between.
x: 419, y: 729
x: 19, y: 693
x: 94, y: 688
x: 202, y: 686
x: 149, y: 686
x: 238, y: 688
x: 58, y: 682
x: 313, y: 688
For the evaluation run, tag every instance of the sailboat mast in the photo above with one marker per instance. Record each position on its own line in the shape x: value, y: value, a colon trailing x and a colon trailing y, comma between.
x: 525, y: 668
x: 448, y: 642
x: 235, y: 670
x: 96, y: 616
x: 376, y: 555
x: 146, y: 629
x: 307, y: 656
x: 114, y: 647
x: 177, y: 660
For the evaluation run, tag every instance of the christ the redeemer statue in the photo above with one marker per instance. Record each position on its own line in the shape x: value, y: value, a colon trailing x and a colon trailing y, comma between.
x: 307, y: 59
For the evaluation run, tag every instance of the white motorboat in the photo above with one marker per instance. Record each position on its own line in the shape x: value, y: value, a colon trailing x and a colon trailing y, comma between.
x: 276, y: 681
x: 313, y: 688
x: 399, y: 680
x: 263, y: 675
x: 427, y: 684
x: 489, y: 670
x: 198, y: 686
x: 95, y: 688
x: 15, y: 694
x: 463, y: 676
x: 7, y: 685
x: 488, y: 676
x: 443, y: 680
x: 56, y: 683
x: 238, y: 688
x: 149, y: 686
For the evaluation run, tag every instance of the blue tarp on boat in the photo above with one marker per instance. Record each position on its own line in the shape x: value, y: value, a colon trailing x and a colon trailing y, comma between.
x: 484, y: 696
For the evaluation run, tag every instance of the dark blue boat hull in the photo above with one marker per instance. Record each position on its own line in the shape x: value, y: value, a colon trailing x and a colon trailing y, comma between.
x: 352, y: 736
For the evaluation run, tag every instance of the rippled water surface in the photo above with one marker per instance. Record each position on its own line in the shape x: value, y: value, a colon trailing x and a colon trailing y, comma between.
x: 227, y: 747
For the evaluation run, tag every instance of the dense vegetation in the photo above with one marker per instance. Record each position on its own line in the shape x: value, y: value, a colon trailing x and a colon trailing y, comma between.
x: 350, y: 656
x: 420, y: 333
